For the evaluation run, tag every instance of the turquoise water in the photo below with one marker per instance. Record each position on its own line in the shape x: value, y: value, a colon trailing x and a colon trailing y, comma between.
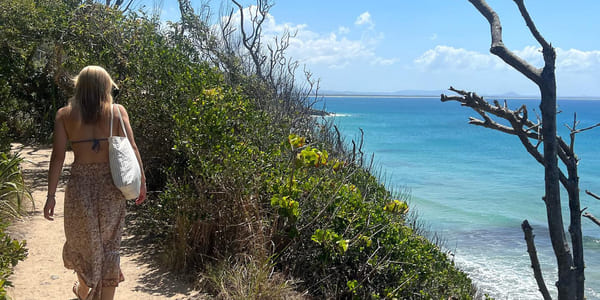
x: 474, y: 185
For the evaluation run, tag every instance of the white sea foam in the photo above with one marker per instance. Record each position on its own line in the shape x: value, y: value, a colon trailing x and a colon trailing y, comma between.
x: 504, y: 278
x: 337, y: 115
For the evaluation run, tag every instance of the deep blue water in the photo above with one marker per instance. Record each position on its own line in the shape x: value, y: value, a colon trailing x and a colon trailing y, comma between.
x: 474, y: 185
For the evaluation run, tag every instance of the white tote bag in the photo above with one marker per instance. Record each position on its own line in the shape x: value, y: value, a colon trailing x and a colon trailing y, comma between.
x: 124, y: 165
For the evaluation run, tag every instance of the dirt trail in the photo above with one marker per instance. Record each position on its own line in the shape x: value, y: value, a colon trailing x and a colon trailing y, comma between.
x: 43, y: 276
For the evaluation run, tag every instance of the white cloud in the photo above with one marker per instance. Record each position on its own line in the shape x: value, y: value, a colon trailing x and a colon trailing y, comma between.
x: 333, y: 50
x: 574, y: 69
x: 433, y: 37
x: 384, y: 61
x: 343, y: 30
x: 450, y: 58
x: 270, y: 27
x: 365, y: 19
x: 531, y: 54
x: 574, y: 60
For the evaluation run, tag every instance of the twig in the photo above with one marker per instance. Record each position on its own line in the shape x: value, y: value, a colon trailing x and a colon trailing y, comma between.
x: 587, y: 128
x: 531, y: 25
x: 592, y: 194
x: 591, y: 217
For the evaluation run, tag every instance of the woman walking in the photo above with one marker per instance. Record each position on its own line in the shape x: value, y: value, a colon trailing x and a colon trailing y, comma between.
x: 94, y: 208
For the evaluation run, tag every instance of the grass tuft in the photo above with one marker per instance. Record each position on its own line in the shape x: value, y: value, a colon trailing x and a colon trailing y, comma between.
x: 248, y: 277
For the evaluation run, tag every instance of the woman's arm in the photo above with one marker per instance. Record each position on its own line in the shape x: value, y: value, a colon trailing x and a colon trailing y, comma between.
x: 59, y: 147
x: 131, y: 138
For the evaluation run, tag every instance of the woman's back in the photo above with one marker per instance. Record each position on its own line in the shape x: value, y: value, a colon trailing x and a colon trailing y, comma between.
x: 94, y: 212
x: 88, y: 140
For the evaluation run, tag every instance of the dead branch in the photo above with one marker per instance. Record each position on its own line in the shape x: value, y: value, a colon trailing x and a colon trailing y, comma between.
x: 592, y: 194
x: 531, y: 25
x: 587, y: 128
x: 535, y: 263
x: 497, y: 46
x: 521, y: 126
x: 591, y: 217
x: 573, y: 130
x: 252, y: 40
x: 362, y: 140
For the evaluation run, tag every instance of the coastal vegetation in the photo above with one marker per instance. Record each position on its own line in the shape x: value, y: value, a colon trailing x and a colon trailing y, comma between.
x: 251, y: 195
x: 13, y: 193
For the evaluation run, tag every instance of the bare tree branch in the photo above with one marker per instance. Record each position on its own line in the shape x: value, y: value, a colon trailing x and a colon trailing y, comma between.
x: 498, y: 48
x: 591, y: 217
x: 592, y: 194
x: 515, y: 118
x: 535, y: 263
x: 587, y: 128
x: 531, y: 25
x: 252, y: 41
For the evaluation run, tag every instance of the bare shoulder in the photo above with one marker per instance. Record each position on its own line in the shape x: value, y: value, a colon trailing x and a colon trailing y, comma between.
x: 121, y: 108
x: 63, y: 112
x: 123, y: 111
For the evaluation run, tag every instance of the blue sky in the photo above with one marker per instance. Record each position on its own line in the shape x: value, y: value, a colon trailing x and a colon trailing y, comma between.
x: 386, y: 45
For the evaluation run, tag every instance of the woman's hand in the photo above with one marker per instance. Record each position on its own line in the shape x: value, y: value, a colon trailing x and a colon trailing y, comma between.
x: 49, y: 208
x: 142, y: 195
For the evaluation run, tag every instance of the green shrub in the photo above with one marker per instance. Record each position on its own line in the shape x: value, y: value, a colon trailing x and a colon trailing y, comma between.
x: 342, y: 234
x: 212, y: 193
x: 13, y: 190
x: 11, y: 252
x: 12, y: 193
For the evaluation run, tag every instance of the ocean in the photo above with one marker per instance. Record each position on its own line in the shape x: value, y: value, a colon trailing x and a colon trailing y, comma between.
x: 474, y: 186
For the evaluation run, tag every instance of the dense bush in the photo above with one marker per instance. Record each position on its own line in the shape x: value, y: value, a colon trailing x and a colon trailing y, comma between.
x: 12, y: 194
x: 344, y: 234
x: 13, y: 191
x: 242, y: 178
x: 29, y: 33
x: 11, y: 252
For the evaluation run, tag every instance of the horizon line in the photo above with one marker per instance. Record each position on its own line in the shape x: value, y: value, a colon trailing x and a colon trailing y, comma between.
x: 390, y: 95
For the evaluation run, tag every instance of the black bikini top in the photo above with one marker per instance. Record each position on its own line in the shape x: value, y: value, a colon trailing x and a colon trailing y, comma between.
x: 95, y: 143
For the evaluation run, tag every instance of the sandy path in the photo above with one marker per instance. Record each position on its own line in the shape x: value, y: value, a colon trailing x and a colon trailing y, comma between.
x: 43, y: 276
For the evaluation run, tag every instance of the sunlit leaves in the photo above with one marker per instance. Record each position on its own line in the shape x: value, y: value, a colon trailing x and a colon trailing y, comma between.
x: 312, y: 157
x: 296, y: 141
x: 396, y: 206
x: 288, y: 207
x: 330, y: 239
x: 11, y: 252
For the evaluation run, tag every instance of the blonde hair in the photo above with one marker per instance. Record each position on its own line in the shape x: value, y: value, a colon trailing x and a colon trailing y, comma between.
x: 93, y: 88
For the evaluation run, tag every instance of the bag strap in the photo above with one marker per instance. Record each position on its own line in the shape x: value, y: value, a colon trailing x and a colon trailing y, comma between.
x: 111, y: 119
x: 120, y: 119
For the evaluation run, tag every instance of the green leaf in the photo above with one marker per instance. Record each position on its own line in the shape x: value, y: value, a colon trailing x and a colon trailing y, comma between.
x: 343, y: 244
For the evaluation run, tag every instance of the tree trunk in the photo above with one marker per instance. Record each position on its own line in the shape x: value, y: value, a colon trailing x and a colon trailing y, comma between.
x: 566, y: 282
x: 570, y: 266
x: 575, y: 226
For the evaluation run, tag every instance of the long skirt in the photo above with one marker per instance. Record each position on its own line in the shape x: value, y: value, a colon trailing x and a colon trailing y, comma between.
x: 94, y: 219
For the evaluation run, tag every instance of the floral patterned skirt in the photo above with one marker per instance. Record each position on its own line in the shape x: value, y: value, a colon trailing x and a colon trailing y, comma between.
x: 94, y: 219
